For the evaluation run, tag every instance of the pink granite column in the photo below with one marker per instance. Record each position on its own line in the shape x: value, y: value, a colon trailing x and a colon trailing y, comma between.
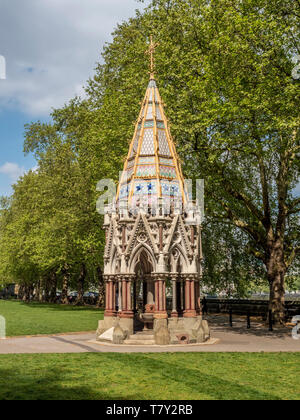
x: 110, y: 309
x: 190, y: 311
x: 174, y: 296
x: 160, y: 297
x: 127, y: 311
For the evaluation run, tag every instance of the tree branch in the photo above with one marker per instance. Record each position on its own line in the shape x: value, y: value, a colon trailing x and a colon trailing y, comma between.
x: 241, y: 224
x: 293, y: 207
x: 265, y: 193
x: 242, y: 197
x: 294, y: 253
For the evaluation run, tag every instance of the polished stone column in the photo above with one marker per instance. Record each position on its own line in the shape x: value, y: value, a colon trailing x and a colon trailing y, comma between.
x: 127, y: 311
x: 120, y: 295
x: 190, y: 306
x: 110, y: 296
x: 182, y: 290
x: 160, y: 296
x: 174, y: 278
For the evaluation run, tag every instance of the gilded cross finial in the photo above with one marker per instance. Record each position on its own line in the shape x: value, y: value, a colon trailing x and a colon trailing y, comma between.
x: 150, y: 52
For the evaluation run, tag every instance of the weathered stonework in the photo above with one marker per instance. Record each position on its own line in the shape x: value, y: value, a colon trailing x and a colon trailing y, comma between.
x: 153, y: 238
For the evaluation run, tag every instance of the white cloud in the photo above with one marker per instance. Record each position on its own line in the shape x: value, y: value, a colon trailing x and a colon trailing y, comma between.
x: 51, y: 48
x: 12, y: 170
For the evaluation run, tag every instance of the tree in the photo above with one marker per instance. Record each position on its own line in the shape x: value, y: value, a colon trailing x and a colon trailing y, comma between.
x: 225, y: 72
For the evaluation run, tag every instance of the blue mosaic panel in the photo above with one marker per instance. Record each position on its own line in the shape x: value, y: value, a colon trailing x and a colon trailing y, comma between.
x: 170, y: 188
x: 160, y: 124
x: 175, y: 189
x: 124, y: 191
x: 145, y: 188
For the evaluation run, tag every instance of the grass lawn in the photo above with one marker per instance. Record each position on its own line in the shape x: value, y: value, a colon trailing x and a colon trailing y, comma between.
x: 36, y: 318
x: 151, y: 376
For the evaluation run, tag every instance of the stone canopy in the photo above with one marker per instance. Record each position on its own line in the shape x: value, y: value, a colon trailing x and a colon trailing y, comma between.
x: 153, y: 254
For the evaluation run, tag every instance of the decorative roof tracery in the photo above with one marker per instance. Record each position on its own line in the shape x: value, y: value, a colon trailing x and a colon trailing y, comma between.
x: 152, y: 169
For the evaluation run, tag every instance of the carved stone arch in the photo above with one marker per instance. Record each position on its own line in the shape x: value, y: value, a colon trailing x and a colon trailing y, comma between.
x: 177, y: 256
x: 139, y: 250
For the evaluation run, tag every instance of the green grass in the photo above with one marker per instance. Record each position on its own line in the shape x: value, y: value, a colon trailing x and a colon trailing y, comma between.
x: 211, y: 376
x: 36, y: 318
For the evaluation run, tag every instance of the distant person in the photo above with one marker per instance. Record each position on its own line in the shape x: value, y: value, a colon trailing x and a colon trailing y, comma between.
x: 204, y: 306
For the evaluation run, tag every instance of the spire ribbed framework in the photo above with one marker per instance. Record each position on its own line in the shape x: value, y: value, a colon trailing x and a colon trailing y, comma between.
x: 152, y: 169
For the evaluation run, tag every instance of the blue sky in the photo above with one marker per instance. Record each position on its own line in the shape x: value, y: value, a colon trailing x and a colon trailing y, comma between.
x: 12, y: 160
x: 50, y: 48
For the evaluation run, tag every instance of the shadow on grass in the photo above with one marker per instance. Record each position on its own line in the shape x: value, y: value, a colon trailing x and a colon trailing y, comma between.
x: 213, y: 387
x: 53, y: 385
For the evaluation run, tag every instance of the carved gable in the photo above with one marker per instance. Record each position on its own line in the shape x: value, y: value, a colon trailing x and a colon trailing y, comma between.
x: 178, y: 234
x: 141, y: 234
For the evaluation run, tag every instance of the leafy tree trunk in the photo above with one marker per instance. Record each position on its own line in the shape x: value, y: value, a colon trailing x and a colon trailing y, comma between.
x: 21, y: 291
x: 276, y: 271
x: 46, y: 297
x: 37, y: 294
x: 65, y: 286
x: 28, y: 291
x: 53, y: 288
x: 80, y: 288
x: 101, y: 298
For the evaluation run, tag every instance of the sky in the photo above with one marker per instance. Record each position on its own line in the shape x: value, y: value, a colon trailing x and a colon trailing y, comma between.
x: 50, y: 49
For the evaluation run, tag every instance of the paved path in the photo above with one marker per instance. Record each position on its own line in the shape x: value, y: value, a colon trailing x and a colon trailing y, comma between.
x: 226, y: 339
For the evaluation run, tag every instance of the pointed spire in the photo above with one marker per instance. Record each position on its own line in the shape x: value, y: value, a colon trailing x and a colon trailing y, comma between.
x: 152, y: 170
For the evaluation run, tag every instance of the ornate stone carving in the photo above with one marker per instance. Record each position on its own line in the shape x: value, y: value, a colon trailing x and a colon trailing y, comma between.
x: 150, y: 240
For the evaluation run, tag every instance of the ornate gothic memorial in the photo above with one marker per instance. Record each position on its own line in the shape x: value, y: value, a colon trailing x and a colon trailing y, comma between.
x: 153, y: 250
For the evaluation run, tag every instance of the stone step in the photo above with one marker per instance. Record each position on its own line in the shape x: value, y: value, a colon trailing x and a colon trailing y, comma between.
x: 139, y: 342
x: 141, y: 337
x: 146, y: 332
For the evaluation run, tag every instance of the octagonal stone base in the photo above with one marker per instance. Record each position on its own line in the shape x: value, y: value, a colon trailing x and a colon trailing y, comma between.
x: 166, y: 331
